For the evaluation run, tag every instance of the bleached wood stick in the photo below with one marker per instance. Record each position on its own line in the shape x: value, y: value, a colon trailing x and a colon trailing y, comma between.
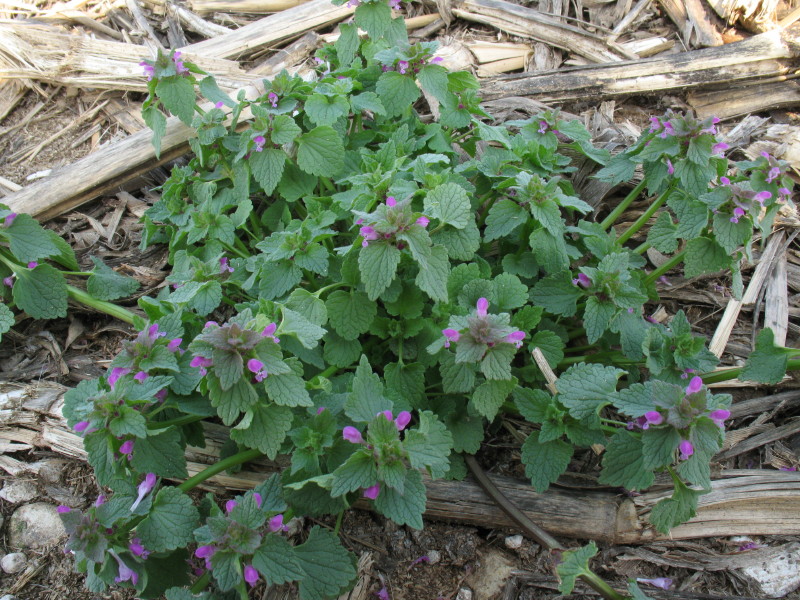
x: 243, y: 6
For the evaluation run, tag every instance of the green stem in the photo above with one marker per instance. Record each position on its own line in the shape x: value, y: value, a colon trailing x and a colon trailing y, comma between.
x: 118, y: 312
x: 641, y: 248
x: 623, y: 206
x: 201, y: 583
x: 77, y: 273
x: 184, y: 420
x: 338, y: 525
x: 224, y: 464
x: 672, y: 262
x: 332, y: 286
x: 733, y: 373
x: 594, y: 581
x: 242, y: 589
x: 640, y: 222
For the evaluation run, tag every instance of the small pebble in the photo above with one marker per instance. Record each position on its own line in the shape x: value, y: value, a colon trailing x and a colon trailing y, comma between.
x: 13, y: 563
x: 433, y: 556
x: 464, y: 594
x: 514, y: 542
x: 9, y: 597
x: 18, y: 491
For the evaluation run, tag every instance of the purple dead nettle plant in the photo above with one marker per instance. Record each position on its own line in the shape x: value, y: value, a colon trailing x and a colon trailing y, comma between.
x: 482, y: 329
x: 389, y: 219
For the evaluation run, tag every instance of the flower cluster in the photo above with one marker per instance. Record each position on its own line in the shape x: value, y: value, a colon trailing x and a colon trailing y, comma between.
x: 485, y: 329
x: 231, y: 338
x: 388, y: 220
x: 139, y: 351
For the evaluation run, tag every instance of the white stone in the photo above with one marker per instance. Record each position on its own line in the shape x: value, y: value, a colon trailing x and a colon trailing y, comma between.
x: 14, y: 562
x: 35, y: 525
x: 16, y: 491
x: 434, y: 556
x: 9, y: 597
x: 514, y: 542
x: 780, y: 575
x: 464, y: 594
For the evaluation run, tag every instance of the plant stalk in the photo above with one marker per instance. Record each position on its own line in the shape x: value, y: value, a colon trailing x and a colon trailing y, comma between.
x: 185, y: 420
x: 219, y: 467
x: 672, y: 262
x: 643, y: 219
x: 623, y: 206
x: 728, y: 374
x: 118, y: 312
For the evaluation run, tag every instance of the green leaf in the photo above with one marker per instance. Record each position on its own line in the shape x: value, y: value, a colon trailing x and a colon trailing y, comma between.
x: 157, y: 121
x: 768, y: 362
x: 574, y: 563
x: 433, y: 279
x: 405, y: 384
x: 161, y: 454
x: 276, y: 560
x: 662, y: 235
x: 731, y: 235
x: 267, y: 167
x: 545, y: 462
x: 366, y: 400
x: 509, y: 292
x: 284, y: 130
x: 367, y: 101
x: 405, y: 508
x: 623, y: 463
x: 456, y: 377
x: 678, y: 509
x: 585, y: 388
x: 355, y: 473
x: 287, y: 390
x: 128, y: 422
x: 557, y: 294
x: 374, y: 18
x: 450, y: 204
x: 170, y: 523
x: 503, y: 218
x: 350, y: 313
x: 597, y: 318
x: 658, y: 446
x: 428, y: 445
x: 533, y: 404
x: 27, y: 240
x: 226, y: 569
x: 264, y: 427
x: 321, y: 151
x: 461, y: 244
x: 106, y: 284
x: 6, y: 319
x: 41, y: 292
x: 326, y: 110
x: 340, y: 352
x: 328, y: 568
x: 305, y: 331
x: 347, y: 44
x: 551, y: 346
x: 210, y: 90
x: 433, y: 79
x: 177, y: 94
x: 490, y: 395
x: 704, y: 255
x: 378, y: 266
x: 496, y: 363
x: 397, y: 92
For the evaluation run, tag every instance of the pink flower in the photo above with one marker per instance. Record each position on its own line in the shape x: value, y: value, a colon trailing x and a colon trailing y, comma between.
x: 80, y: 426
x: 719, y: 416
x: 653, y: 417
x: 153, y: 333
x: 387, y: 415
x: 147, y: 484
x: 402, y: 66
x: 515, y: 337
x: 33, y: 264
x: 719, y: 148
x: 257, y: 498
x: 695, y: 385
x: 116, y: 373
x: 668, y: 130
x: 724, y: 181
x: 369, y: 234
x: 230, y: 505
x: 276, y: 524
x: 250, y: 575
x: 273, y: 99
x: 210, y: 324
x: 785, y: 193
x: 9, y: 219
x: 394, y: 4
x: 686, y: 449
x: 451, y: 335
x: 269, y: 332
x: 62, y: 510
x: 219, y: 105
x: 101, y: 499
x: 137, y: 549
x: 141, y: 376
x: 149, y: 69
x: 670, y: 168
x: 372, y: 491
x: 655, y: 124
x: 352, y: 435
x: 8, y: 281
x: 660, y: 582
x: 125, y: 572
x: 259, y: 141
x: 205, y: 551
x: 224, y: 267
x: 685, y: 374
x: 761, y: 197
x: 256, y: 366
x: 737, y: 213
x: 180, y: 69
x: 773, y: 173
x: 582, y: 280
x: 174, y: 344
x: 481, y: 307
x: 202, y: 363
x: 391, y: 201
x: 126, y: 448
x: 435, y: 60
x: 423, y: 221
x: 402, y: 420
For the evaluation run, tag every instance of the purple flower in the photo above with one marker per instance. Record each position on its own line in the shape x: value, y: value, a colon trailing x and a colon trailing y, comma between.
x: 205, y: 551
x: 765, y: 154
x: 174, y: 344
x: 660, y: 582
x: 668, y: 130
x: 435, y: 60
x: 543, y: 127
x: 352, y: 435
x: 33, y: 264
x: 719, y: 416
x: 424, y: 558
x: 250, y: 575
x: 259, y: 141
x: 394, y: 4
x: 63, y: 509
x: 202, y: 363
x: 125, y: 572
x: 101, y: 499
x: 670, y: 168
x: 451, y: 335
x: 180, y: 69
x: 383, y: 594
x: 8, y: 281
x: 402, y: 66
x: 276, y: 524
x: 515, y: 337
x: 402, y: 420
x: 369, y: 234
x: 686, y: 449
x: 210, y: 324
x: 750, y: 546
x: 258, y: 368
x: 257, y: 498
x: 141, y: 376
x: 219, y: 104
x: 372, y: 491
x: 80, y: 426
x: 582, y: 280
x: 126, y: 448
x: 423, y: 221
x: 149, y: 69
x: 785, y: 193
x: 224, y: 267
x: 230, y: 505
x: 273, y: 99
x: 685, y: 374
x: 655, y: 124
x: 481, y: 307
x: 695, y: 385
x: 387, y: 414
x: 353, y: 3
x: 653, y: 417
x: 116, y: 373
x: 391, y: 201
x: 153, y: 333
x: 9, y: 219
x: 773, y: 173
x: 147, y: 484
x: 761, y: 197
x: 724, y: 181
x: 137, y: 549
x: 269, y: 332
x: 787, y: 468
x: 719, y: 148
